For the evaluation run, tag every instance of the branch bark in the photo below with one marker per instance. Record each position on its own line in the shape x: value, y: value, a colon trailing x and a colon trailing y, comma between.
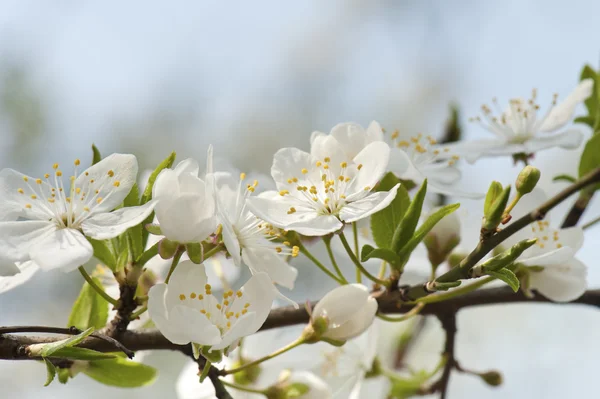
x: 13, y: 346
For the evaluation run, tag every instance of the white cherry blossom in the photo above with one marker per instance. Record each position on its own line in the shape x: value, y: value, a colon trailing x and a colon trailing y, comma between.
x: 563, y: 277
x: 57, y: 218
x: 16, y: 274
x: 348, y: 311
x: 519, y: 129
x: 249, y: 239
x: 317, y: 195
x: 186, y: 311
x: 186, y: 207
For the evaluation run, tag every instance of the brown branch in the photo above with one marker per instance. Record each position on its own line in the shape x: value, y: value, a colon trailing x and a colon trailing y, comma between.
x: 13, y: 346
x: 449, y: 325
x: 576, y: 211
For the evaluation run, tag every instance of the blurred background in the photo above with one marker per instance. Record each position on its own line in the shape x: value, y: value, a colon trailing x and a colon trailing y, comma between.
x: 149, y: 77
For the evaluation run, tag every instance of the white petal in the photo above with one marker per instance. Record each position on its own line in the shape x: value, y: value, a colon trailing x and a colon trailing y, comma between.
x: 475, y: 149
x: 328, y: 147
x: 351, y: 137
x: 399, y: 162
x: 359, y: 323
x: 318, y: 389
x: 571, y: 237
x: 103, y: 226
x: 231, y: 241
x: 561, y: 283
x: 18, y: 237
x: 122, y: 167
x: 14, y: 204
x: 158, y: 313
x: 195, y: 325
x: 374, y: 159
x: 367, y: 206
x: 27, y: 270
x: 546, y: 258
x: 268, y: 261
x: 166, y: 185
x: 220, y: 270
x: 242, y: 327
x: 189, y: 166
x: 563, y: 112
x: 448, y: 189
x: 188, y: 387
x: 260, y: 293
x: 8, y: 268
x: 274, y: 209
x: 66, y: 249
x: 569, y: 140
x: 340, y: 304
x: 288, y: 163
x: 318, y: 225
x: 314, y: 135
x: 441, y: 172
x: 188, y: 277
x: 374, y: 132
x: 189, y: 218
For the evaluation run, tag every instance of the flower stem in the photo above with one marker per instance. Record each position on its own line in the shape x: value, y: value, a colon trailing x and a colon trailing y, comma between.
x: 176, y: 258
x: 454, y: 293
x: 411, y: 313
x: 358, y: 264
x: 317, y: 263
x: 243, y: 388
x: 138, y: 313
x: 333, y: 262
x: 147, y: 255
x: 355, y: 232
x: 591, y: 223
x: 205, y: 370
x: 382, y: 269
x: 212, y: 251
x: 278, y: 352
x: 97, y: 288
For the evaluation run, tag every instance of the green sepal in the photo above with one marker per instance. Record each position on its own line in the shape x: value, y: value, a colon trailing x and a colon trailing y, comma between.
x: 507, y: 276
x: 212, y: 356
x: 153, y: 229
x: 296, y: 390
x: 50, y: 372
x: 167, y: 248
x: 96, y: 157
x: 195, y: 252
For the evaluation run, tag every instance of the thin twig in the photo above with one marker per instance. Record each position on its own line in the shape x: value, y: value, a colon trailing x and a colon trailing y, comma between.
x: 449, y: 325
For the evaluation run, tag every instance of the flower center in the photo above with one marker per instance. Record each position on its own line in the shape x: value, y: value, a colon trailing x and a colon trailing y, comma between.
x: 423, y: 149
x: 547, y: 237
x: 66, y: 208
x: 222, y: 314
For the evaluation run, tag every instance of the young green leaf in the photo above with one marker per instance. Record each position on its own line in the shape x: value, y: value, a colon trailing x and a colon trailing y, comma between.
x: 50, y: 372
x: 592, y: 102
x: 96, y: 157
x: 425, y: 228
x: 76, y: 353
x: 49, y: 349
x: 404, y: 231
x: 384, y: 222
x: 495, y: 210
x: 507, y: 276
x: 121, y: 373
x: 492, y: 195
x: 90, y: 309
x: 368, y: 252
x: 590, y: 158
x: 104, y: 253
x: 123, y: 259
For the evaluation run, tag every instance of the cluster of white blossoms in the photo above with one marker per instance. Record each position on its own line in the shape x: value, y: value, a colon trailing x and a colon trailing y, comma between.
x: 56, y: 222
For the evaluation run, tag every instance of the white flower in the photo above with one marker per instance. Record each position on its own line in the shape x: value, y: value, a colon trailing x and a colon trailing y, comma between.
x: 186, y: 208
x: 347, y: 310
x: 186, y: 311
x: 315, y: 387
x: 519, y: 129
x: 563, y: 277
x: 248, y: 238
x: 58, y: 218
x: 318, y: 195
x: 15, y: 274
x: 413, y: 158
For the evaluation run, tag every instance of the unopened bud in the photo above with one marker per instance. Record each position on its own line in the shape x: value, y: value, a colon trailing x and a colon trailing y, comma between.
x: 495, y: 204
x: 248, y: 375
x: 443, y: 238
x: 493, y: 378
x: 527, y: 179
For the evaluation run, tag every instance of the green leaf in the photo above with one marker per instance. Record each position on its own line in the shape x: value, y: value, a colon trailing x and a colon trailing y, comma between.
x: 494, y: 210
x: 120, y: 372
x: 103, y: 252
x: 165, y: 164
x: 123, y: 259
x: 567, y: 178
x: 81, y: 354
x: 492, y: 195
x: 89, y: 309
x: 507, y: 276
x: 404, y: 231
x: 439, y: 286
x: 587, y: 120
x: 592, y: 101
x: 425, y: 228
x: 96, y: 157
x: 50, y: 372
x: 384, y: 222
x: 368, y: 252
x: 49, y: 349
x: 590, y: 158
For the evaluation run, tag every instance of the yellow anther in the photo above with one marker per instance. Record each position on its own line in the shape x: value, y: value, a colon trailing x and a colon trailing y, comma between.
x: 58, y: 173
x: 327, y: 159
x: 304, y: 171
x: 290, y: 181
x: 200, y: 296
x: 278, y: 250
x: 181, y: 297
x: 420, y: 149
x: 77, y: 162
x: 246, y: 305
x: 292, y: 210
x: 111, y: 173
x: 403, y: 143
x: 242, y: 176
x: 193, y: 295
x: 46, y: 175
x: 295, y: 251
x: 92, y: 181
x: 244, y: 311
x: 228, y: 324
x: 239, y: 294
x: 287, y: 243
x: 203, y: 311
x: 283, y: 192
x: 207, y: 287
x: 68, y: 199
x: 325, y: 166
x: 359, y: 167
x: 326, y: 201
x: 99, y: 200
x: 250, y: 188
x: 38, y: 181
x: 342, y: 196
x: 226, y: 302
x: 368, y: 188
x: 295, y: 179
x: 219, y: 306
x: 436, y: 152
x: 395, y: 135
x: 344, y: 164
x: 545, y: 238
x: 25, y: 178
x: 237, y: 315
x: 33, y: 196
x: 318, y: 163
x: 559, y: 245
x: 28, y: 206
x: 117, y: 183
x: 255, y: 183
x: 55, y: 166
x: 78, y: 190
x: 20, y: 191
x: 85, y: 208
